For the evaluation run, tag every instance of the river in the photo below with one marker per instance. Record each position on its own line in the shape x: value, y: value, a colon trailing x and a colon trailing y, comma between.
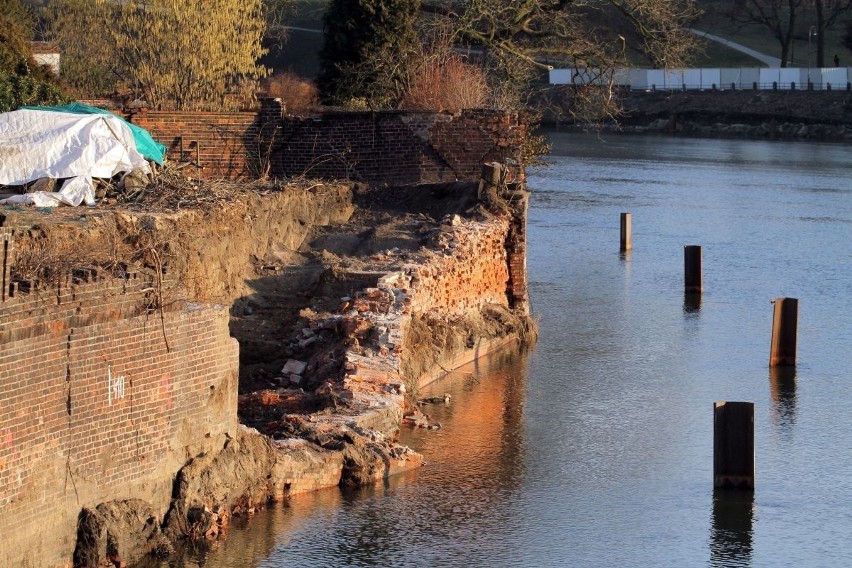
x: 595, y: 448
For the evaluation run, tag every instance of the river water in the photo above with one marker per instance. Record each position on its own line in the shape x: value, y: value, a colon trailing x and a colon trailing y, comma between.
x: 595, y: 448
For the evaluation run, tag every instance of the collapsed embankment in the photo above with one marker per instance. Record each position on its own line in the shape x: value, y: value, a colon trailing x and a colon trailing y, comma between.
x: 342, y: 298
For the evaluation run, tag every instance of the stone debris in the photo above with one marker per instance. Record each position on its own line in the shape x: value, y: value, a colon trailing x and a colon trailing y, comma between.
x: 294, y: 367
x: 435, y: 399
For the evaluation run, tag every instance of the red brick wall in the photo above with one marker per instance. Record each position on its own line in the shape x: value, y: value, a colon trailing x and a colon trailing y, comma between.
x: 399, y: 147
x: 210, y: 145
x: 94, y: 405
x: 474, y: 274
x: 382, y: 147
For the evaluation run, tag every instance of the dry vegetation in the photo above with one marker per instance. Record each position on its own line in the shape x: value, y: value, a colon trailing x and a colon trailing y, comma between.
x: 298, y: 95
x: 443, y: 82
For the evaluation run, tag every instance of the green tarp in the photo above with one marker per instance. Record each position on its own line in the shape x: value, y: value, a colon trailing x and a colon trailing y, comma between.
x: 145, y: 144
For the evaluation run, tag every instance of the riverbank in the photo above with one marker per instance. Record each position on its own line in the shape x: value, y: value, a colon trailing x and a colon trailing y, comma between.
x: 788, y: 115
x: 343, y: 299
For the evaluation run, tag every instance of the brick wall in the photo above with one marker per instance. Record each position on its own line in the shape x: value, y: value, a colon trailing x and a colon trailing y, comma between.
x: 381, y: 147
x: 473, y: 272
x: 212, y: 145
x: 101, y: 400
x: 399, y: 147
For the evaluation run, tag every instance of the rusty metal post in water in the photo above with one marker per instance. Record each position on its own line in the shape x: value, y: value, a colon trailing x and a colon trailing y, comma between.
x: 733, y: 445
x: 626, y: 239
x: 692, y: 269
x: 785, y: 322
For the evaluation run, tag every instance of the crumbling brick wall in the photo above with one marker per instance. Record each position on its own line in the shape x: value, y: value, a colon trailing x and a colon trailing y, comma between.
x: 391, y: 147
x: 474, y: 272
x: 101, y: 399
x: 397, y: 147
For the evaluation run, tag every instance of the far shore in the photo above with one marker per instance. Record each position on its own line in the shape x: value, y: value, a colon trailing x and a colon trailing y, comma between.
x: 824, y: 116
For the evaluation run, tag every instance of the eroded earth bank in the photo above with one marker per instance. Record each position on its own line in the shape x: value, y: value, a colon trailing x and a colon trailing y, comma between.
x: 344, y: 299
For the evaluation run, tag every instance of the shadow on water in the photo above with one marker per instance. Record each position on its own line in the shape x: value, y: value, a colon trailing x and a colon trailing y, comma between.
x: 731, y: 528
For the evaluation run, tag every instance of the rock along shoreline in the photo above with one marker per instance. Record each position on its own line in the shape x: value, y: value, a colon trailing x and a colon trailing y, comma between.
x: 820, y: 116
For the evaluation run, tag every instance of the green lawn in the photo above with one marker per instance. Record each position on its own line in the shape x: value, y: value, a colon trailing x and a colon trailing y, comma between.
x: 761, y: 40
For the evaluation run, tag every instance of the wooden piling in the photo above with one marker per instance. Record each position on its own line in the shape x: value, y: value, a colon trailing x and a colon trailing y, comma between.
x: 626, y: 239
x: 733, y: 445
x: 785, y: 321
x: 692, y: 269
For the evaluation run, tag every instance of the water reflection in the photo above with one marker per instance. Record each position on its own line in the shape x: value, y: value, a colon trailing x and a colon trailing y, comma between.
x: 691, y: 302
x: 485, y: 419
x: 250, y: 540
x: 782, y: 388
x: 731, y: 528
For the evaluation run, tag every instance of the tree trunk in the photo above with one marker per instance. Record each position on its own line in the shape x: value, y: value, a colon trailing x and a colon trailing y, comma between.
x: 820, y: 31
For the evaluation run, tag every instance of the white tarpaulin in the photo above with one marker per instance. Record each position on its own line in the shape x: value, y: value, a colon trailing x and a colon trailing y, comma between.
x: 36, y: 144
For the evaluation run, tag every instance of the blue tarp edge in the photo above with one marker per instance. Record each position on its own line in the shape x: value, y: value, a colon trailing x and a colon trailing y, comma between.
x: 145, y: 143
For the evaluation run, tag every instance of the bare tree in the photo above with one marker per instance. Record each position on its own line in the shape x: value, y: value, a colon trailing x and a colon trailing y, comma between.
x: 827, y: 14
x: 517, y: 39
x: 778, y: 17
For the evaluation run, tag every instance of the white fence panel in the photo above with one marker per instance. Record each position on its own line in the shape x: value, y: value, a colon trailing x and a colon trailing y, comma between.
x: 750, y: 76
x: 656, y: 78
x: 790, y: 76
x: 560, y: 76
x: 691, y: 78
x: 672, y: 79
x: 770, y: 76
x: 621, y: 76
x: 731, y: 76
x: 638, y: 79
x: 837, y: 77
x: 708, y: 78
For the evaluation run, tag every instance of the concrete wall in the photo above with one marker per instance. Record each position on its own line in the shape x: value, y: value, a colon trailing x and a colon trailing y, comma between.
x: 101, y: 400
x: 381, y: 147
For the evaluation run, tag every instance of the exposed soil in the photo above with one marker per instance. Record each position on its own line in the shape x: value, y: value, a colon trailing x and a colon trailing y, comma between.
x: 353, y: 235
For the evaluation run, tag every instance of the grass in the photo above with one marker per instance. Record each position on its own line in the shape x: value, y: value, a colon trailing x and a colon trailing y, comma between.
x: 760, y: 39
x: 713, y: 54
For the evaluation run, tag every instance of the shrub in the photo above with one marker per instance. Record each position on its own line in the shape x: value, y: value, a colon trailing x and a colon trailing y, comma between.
x: 446, y: 82
x: 298, y: 95
x: 19, y: 90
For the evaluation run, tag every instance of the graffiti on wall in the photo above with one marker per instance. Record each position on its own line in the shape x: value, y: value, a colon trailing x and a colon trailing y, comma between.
x: 115, y: 386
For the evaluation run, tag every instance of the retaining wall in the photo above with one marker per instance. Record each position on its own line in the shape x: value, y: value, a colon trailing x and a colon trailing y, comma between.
x: 391, y: 147
x: 100, y: 399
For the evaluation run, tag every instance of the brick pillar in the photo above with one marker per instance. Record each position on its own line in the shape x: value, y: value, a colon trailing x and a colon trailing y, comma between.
x: 516, y: 197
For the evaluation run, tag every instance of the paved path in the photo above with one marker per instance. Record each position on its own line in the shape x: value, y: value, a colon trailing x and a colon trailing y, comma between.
x: 768, y: 60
